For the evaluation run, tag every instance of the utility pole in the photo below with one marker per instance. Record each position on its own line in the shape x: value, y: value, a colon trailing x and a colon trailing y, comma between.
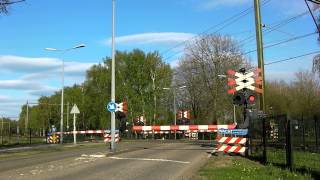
x: 27, y: 120
x: 261, y: 66
x: 153, y: 77
x: 62, y: 97
x: 2, y: 130
x: 113, y: 144
x: 68, y: 116
x: 260, y: 50
x: 174, y: 112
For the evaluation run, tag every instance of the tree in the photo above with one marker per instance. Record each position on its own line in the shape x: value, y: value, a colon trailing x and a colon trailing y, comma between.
x: 4, y: 4
x: 316, y: 65
x: 297, y: 98
x: 133, y: 82
x: 203, y: 62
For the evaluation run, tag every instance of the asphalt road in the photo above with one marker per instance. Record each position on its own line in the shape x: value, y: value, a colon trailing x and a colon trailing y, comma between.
x: 136, y: 160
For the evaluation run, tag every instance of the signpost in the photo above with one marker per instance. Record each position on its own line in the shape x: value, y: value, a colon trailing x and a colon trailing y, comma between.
x: 236, y: 132
x: 112, y: 107
x: 74, y: 111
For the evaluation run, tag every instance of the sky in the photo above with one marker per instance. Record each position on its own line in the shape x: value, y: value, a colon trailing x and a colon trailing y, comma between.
x: 28, y: 71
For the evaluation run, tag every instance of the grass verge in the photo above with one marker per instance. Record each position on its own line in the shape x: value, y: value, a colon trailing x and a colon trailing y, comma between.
x: 233, y: 167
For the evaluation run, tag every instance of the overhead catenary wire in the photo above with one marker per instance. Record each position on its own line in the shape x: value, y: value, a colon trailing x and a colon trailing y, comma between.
x: 207, y: 30
x: 224, y: 24
x: 275, y: 27
x: 292, y: 58
x: 283, y: 42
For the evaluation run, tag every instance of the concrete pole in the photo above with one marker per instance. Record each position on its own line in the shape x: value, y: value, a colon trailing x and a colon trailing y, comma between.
x: 68, y: 111
x: 2, y: 131
x: 174, y: 112
x: 74, y: 129
x: 9, y: 132
x: 27, y: 119
x: 18, y: 133
x: 113, y: 144
x: 62, y: 93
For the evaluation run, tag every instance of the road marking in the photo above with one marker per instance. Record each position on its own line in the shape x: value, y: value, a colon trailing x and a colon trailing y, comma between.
x: 147, y: 159
x: 97, y: 155
x: 91, y: 157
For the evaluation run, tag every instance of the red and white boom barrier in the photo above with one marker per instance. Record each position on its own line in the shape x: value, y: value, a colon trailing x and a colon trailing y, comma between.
x: 236, y: 145
x: 193, y: 128
x: 232, y: 140
x: 86, y: 132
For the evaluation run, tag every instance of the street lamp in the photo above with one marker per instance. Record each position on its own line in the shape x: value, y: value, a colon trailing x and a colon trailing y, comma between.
x: 174, y: 105
x: 63, y: 51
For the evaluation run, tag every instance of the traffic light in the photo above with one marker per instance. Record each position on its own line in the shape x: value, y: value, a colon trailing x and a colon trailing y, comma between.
x: 250, y: 98
x: 239, y: 98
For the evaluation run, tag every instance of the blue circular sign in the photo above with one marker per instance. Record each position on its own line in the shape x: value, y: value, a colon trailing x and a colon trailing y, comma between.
x: 111, y: 107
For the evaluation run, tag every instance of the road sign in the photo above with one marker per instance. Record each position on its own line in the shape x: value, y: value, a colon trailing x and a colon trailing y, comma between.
x: 184, y: 115
x: 237, y: 132
x: 75, y: 110
x: 112, y: 107
x: 122, y: 107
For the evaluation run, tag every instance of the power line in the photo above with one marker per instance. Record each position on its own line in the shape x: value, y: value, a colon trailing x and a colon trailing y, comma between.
x: 224, y: 24
x: 292, y: 58
x: 275, y: 27
x: 283, y: 42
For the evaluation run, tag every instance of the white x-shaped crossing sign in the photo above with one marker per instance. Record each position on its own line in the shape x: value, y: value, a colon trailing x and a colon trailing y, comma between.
x: 242, y: 81
x: 245, y: 81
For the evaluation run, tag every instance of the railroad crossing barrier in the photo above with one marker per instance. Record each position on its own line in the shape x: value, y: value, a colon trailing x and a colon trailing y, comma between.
x: 53, y: 139
x: 233, y: 145
x: 86, y: 132
x: 200, y: 128
x: 107, y: 138
x: 105, y: 133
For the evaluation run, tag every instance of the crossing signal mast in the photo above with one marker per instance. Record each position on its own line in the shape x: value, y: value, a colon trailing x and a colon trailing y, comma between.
x: 244, y: 87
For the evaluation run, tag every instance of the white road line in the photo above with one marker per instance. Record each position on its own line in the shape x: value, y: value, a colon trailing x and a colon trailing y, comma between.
x: 98, y: 155
x: 147, y: 159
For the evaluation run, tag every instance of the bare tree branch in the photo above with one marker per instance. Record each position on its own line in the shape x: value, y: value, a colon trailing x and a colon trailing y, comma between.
x: 4, y: 4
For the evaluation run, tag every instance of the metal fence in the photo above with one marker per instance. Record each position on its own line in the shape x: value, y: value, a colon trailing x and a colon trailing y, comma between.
x: 12, y: 136
x: 286, y: 142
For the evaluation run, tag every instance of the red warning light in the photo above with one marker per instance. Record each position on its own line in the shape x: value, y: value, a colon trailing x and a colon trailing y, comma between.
x: 251, y: 99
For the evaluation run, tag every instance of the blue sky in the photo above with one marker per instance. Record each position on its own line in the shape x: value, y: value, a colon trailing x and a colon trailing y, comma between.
x: 27, y: 71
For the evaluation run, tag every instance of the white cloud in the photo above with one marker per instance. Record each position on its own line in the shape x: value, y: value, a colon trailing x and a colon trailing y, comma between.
x: 29, y: 78
x: 76, y: 68
x: 19, y: 85
x: 42, y: 67
x: 28, y: 64
x: 7, y: 100
x: 152, y: 38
